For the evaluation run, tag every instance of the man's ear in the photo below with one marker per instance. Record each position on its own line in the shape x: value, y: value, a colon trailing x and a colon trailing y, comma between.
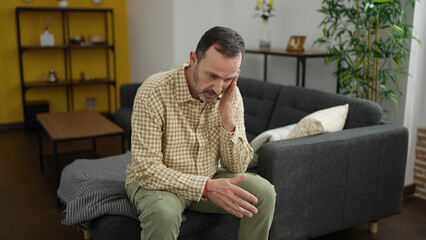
x: 193, y: 58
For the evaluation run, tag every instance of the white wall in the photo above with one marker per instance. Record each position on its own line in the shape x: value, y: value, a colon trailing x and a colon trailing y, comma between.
x: 415, y: 108
x: 151, y: 37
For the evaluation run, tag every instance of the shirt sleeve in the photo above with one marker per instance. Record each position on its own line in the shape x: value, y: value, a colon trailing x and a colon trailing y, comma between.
x: 147, y: 166
x: 235, y: 150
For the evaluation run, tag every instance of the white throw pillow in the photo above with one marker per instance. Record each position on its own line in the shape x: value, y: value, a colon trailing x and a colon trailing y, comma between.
x: 269, y: 136
x: 327, y: 120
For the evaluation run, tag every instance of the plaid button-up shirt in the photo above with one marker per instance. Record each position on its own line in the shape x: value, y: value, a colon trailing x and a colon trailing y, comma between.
x: 176, y: 143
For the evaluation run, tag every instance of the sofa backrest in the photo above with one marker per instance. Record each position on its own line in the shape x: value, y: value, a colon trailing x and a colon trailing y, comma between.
x: 259, y: 101
x: 293, y: 103
x: 128, y: 93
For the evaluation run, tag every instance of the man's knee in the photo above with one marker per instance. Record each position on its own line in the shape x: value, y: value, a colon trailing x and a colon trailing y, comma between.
x: 155, y: 206
x: 261, y: 188
x: 162, y: 212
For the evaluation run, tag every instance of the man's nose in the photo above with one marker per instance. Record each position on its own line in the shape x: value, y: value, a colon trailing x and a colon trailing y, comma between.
x: 217, y: 87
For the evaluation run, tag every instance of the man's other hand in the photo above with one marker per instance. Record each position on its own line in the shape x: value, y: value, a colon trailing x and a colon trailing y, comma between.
x: 224, y: 193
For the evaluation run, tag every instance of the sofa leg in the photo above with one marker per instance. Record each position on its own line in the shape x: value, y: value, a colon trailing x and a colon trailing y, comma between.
x: 373, y: 227
x: 86, y: 235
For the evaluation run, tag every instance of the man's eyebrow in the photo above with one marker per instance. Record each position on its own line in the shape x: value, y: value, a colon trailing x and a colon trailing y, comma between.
x: 213, y: 74
x: 217, y: 76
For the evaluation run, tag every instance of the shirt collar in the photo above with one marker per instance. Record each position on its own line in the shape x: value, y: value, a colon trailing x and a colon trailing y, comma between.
x: 182, y: 90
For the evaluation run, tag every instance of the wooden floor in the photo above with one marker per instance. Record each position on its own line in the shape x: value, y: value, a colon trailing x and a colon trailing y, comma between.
x: 28, y: 206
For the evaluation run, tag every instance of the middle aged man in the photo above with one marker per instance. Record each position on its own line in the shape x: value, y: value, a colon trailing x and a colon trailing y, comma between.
x: 183, y: 122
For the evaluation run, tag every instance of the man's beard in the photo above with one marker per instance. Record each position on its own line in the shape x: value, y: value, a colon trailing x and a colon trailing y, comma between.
x: 201, y: 93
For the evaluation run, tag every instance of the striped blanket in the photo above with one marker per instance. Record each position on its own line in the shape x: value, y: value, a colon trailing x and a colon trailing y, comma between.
x: 92, y: 188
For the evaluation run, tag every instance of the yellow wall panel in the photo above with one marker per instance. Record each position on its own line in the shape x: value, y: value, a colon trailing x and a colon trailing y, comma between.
x: 37, y: 62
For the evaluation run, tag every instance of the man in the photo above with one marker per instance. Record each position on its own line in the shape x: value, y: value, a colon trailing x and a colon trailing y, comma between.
x: 183, y: 122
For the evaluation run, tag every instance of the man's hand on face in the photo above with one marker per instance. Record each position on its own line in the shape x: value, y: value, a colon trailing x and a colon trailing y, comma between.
x: 224, y: 193
x: 226, y: 106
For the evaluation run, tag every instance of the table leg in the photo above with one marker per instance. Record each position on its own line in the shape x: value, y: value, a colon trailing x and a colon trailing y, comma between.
x: 55, y: 156
x: 122, y: 143
x: 303, y: 61
x: 265, y: 67
x: 297, y: 71
x: 94, y: 147
x: 40, y: 147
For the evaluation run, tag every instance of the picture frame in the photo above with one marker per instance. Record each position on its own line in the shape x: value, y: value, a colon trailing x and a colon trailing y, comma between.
x: 295, y: 43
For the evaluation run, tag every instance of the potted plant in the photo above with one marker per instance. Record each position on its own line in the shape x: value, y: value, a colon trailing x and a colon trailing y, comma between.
x: 369, y: 42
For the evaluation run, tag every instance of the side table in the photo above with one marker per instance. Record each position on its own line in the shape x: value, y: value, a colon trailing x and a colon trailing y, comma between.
x: 69, y: 126
x: 300, y: 56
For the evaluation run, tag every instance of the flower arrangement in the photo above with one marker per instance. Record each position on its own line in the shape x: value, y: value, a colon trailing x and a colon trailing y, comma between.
x: 264, y: 9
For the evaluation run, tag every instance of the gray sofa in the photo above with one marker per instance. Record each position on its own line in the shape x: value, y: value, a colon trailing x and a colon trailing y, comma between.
x: 324, y: 183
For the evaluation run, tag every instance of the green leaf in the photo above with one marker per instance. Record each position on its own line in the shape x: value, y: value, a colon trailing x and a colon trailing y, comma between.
x: 351, y: 54
x: 397, y: 28
x: 383, y: 1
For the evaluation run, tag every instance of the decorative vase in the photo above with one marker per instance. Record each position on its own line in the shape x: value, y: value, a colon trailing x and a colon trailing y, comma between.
x: 265, y: 35
x: 47, y: 39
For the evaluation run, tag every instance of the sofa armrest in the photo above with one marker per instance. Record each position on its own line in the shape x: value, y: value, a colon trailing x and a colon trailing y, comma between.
x: 332, y: 181
x: 128, y: 93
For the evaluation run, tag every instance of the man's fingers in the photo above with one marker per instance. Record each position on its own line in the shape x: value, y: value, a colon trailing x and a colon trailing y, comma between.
x: 246, y: 206
x: 226, y: 194
x: 244, y: 194
x: 234, y: 209
x: 241, y: 192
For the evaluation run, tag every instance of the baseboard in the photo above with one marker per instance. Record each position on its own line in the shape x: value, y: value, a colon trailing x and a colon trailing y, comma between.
x: 409, y: 190
x: 11, y: 126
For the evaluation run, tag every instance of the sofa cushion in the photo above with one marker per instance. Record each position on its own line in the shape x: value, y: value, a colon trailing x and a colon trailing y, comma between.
x: 294, y: 103
x: 206, y: 226
x: 259, y: 101
x: 322, y: 121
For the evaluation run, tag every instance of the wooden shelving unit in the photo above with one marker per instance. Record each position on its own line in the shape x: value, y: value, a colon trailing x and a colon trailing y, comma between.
x: 70, y: 82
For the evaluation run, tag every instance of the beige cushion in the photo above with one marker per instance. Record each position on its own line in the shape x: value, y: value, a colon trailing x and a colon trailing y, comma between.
x: 322, y: 121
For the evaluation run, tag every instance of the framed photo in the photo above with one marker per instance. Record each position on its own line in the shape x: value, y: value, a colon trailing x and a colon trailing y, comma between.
x: 295, y: 44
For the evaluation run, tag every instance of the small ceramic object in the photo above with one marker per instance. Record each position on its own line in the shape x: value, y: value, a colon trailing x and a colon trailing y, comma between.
x: 63, y: 3
x: 52, y: 76
x: 47, y: 39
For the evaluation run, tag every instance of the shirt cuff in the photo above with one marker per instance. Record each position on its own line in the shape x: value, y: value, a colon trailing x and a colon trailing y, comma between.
x: 200, y: 182
x: 230, y: 136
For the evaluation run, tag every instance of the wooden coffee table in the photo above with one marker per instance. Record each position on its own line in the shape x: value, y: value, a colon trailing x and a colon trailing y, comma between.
x: 68, y: 126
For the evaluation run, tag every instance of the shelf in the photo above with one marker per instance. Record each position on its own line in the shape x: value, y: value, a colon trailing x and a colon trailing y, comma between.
x: 44, y: 9
x: 94, y: 46
x: 71, y: 46
x: 92, y: 82
x: 42, y: 48
x: 44, y: 84
x: 106, y: 81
